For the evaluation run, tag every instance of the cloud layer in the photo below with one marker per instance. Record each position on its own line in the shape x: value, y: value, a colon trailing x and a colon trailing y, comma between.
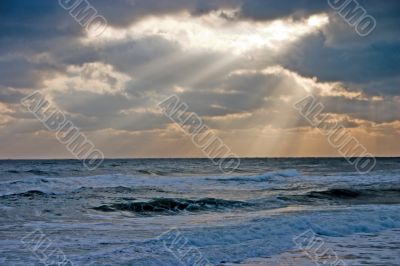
x: 238, y: 64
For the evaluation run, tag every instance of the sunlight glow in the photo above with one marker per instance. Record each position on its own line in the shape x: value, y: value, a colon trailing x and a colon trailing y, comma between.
x: 219, y: 33
x: 317, y: 21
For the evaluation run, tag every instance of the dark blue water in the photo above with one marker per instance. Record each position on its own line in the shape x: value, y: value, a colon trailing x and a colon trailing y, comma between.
x: 114, y: 215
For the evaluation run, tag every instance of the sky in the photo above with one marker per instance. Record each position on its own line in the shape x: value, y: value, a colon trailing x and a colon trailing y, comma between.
x: 238, y: 64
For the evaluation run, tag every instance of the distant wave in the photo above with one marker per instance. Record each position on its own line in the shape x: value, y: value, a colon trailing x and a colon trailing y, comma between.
x: 73, y: 172
x: 154, y: 172
x: 354, y: 193
x: 336, y: 193
x: 65, y: 184
x: 261, y: 177
x: 28, y: 194
x: 34, y: 172
x: 350, y: 195
x: 172, y: 206
x: 13, y: 172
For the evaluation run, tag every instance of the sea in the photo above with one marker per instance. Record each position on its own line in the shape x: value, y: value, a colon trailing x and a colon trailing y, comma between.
x: 269, y: 211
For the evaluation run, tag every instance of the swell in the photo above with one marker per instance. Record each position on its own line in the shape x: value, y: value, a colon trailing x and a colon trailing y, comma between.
x: 354, y: 193
x: 259, y: 178
x: 33, y: 172
x: 350, y: 195
x: 172, y: 206
x: 28, y: 194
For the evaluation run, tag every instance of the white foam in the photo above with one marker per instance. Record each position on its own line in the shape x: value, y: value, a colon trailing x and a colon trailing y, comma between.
x: 230, y: 242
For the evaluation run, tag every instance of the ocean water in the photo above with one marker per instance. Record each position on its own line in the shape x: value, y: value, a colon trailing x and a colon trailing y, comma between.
x: 123, y: 212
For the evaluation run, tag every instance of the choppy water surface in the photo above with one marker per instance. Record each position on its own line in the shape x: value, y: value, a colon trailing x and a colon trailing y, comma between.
x: 114, y: 215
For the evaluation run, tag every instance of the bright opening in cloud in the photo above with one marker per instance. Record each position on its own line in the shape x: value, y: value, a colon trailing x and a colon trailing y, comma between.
x: 219, y: 31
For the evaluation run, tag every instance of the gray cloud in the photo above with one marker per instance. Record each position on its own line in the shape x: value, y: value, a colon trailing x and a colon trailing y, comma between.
x: 39, y: 42
x: 360, y: 65
x: 269, y: 9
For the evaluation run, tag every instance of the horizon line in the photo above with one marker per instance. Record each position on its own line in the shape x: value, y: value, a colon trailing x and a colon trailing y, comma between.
x: 196, y: 158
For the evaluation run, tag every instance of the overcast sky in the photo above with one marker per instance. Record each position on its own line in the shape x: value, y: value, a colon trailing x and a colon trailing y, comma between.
x: 239, y: 64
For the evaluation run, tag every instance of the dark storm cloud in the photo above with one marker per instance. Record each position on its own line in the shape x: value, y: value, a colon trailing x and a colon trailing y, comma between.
x: 355, y: 64
x: 46, y: 18
x: 113, y: 86
x: 368, y: 67
x: 126, y: 12
x: 157, y: 66
x: 25, y: 20
x: 339, y: 54
x: 269, y: 9
x: 28, y: 28
x: 340, y: 34
x: 33, y: 26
